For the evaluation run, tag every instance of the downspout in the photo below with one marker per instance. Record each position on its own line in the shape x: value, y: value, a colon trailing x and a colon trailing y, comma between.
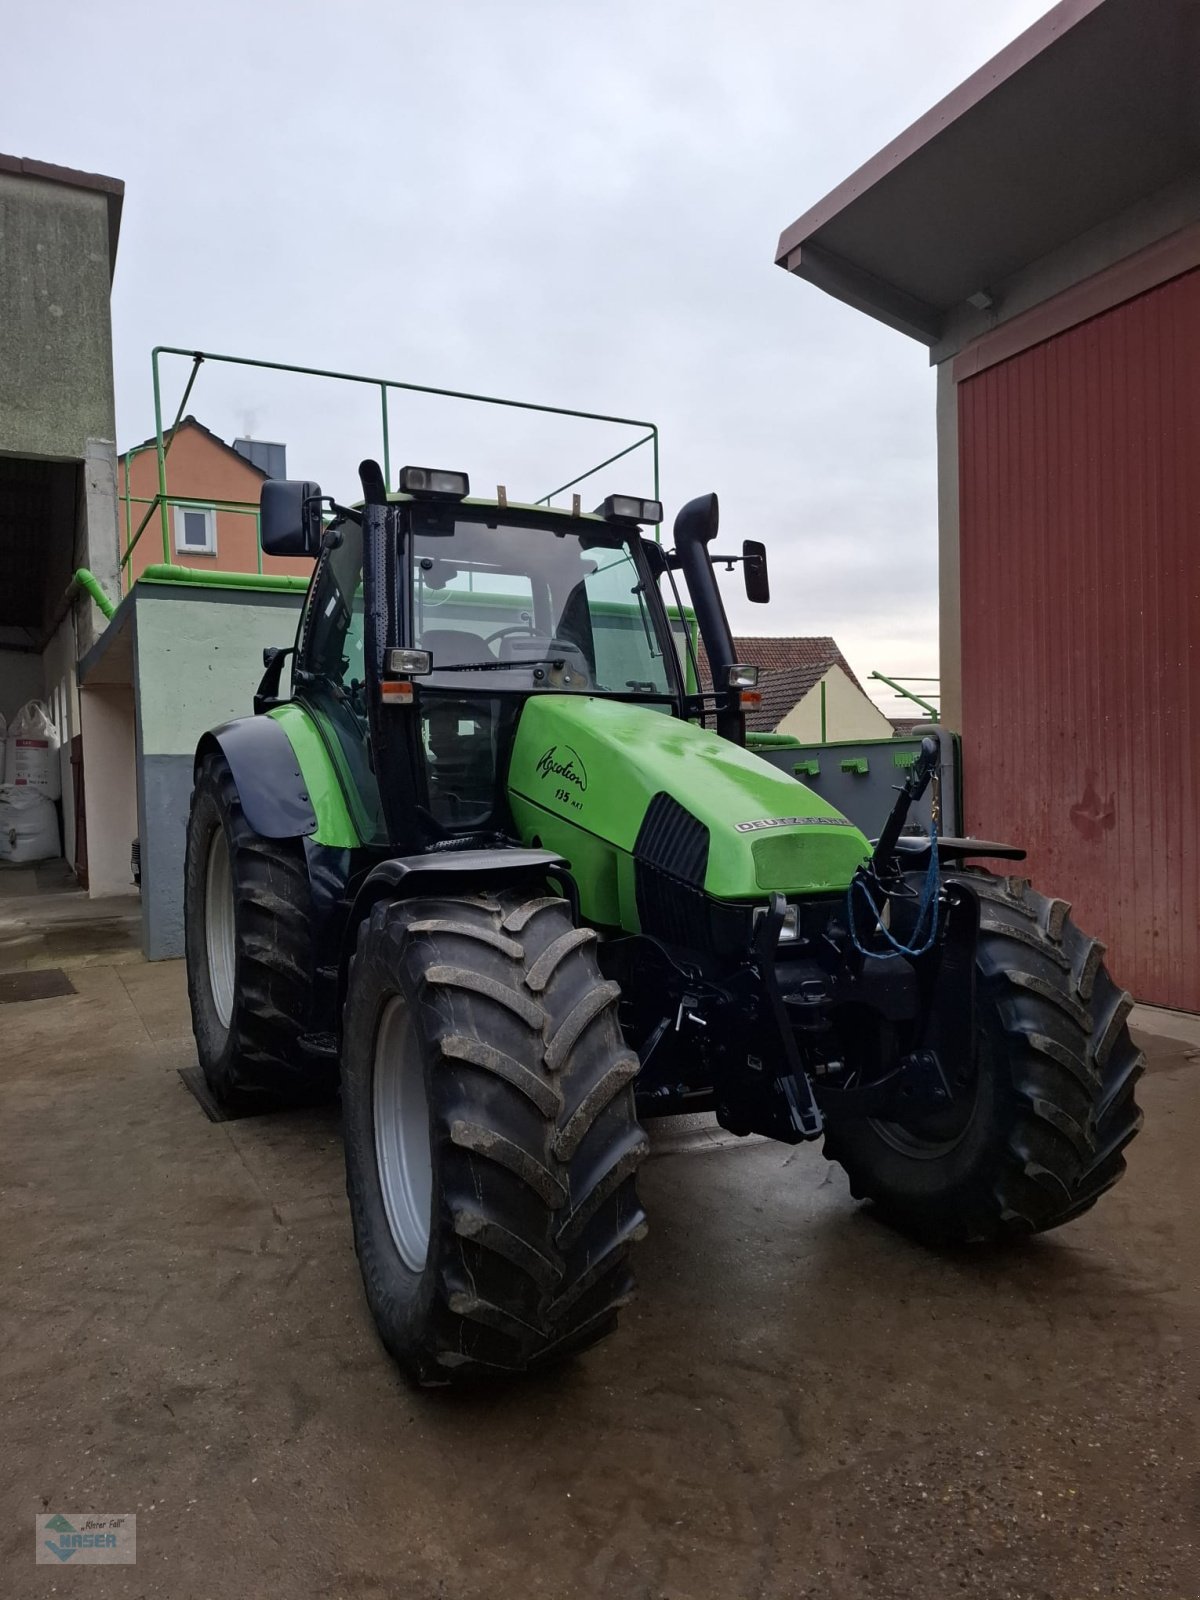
x: 87, y: 581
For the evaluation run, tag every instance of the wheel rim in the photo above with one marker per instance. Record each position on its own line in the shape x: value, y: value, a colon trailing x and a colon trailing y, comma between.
x: 402, y: 1153
x: 218, y: 925
x: 932, y: 1134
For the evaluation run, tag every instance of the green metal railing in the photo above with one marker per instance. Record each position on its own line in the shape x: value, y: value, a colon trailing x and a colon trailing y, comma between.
x: 907, y: 694
x: 162, y: 501
x: 242, y: 508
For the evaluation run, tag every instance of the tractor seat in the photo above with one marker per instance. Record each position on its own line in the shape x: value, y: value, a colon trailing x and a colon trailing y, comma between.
x: 454, y: 644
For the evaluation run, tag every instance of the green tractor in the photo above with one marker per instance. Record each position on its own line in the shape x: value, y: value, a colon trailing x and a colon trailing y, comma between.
x: 501, y: 867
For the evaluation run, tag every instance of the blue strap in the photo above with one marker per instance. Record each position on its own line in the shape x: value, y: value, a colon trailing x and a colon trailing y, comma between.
x: 927, y: 910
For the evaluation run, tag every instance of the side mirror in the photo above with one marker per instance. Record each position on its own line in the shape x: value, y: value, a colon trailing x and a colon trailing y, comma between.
x: 290, y: 517
x: 754, y: 570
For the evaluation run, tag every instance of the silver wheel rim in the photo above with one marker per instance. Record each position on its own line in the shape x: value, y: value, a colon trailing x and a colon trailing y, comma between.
x: 402, y: 1153
x: 218, y: 925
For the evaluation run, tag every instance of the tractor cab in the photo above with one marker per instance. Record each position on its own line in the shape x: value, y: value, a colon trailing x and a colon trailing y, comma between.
x: 483, y: 605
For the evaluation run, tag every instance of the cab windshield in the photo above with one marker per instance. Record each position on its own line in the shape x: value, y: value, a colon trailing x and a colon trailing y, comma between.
x: 506, y: 607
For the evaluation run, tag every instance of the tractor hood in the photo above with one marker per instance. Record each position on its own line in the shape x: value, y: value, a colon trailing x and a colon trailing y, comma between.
x: 585, y: 772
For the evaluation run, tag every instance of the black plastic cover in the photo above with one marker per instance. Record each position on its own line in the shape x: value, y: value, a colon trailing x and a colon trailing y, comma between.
x: 266, y: 775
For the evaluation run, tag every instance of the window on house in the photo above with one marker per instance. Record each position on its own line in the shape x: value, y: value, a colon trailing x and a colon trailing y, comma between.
x: 195, y: 530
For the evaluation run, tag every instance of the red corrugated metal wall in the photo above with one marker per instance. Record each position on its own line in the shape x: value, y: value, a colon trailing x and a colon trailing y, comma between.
x: 1079, y: 515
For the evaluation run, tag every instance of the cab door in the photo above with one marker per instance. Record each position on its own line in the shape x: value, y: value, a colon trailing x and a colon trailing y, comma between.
x: 329, y: 676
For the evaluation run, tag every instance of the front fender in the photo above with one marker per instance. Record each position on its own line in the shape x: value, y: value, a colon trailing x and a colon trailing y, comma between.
x: 269, y: 782
x: 450, y: 872
x: 454, y: 872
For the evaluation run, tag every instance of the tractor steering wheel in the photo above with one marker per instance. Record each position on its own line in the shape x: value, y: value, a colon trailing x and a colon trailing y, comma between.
x: 526, y: 628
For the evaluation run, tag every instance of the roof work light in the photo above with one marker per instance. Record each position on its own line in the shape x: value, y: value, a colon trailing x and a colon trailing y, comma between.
x: 434, y: 481
x: 628, y: 508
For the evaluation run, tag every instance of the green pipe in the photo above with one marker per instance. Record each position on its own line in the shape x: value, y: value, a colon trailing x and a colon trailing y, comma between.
x: 824, y: 732
x: 258, y: 537
x: 907, y: 693
x: 166, y: 572
x: 90, y: 584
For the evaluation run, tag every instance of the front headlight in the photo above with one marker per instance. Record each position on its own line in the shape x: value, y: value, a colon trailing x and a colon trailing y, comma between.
x: 790, y: 928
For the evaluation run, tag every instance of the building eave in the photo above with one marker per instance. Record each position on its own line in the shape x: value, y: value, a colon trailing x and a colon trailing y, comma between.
x: 1082, y: 116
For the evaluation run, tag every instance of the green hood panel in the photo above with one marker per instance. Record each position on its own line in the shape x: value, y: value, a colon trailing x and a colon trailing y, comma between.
x: 584, y: 771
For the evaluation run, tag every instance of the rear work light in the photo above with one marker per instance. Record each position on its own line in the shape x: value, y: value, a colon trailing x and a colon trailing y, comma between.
x: 434, y: 481
x: 741, y: 676
x: 627, y: 508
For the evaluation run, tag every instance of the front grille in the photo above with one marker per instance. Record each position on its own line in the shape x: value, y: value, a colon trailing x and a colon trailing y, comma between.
x: 671, y: 858
x: 672, y: 839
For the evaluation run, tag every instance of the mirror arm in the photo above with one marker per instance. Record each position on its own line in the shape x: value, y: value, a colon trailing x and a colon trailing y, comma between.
x: 267, y: 695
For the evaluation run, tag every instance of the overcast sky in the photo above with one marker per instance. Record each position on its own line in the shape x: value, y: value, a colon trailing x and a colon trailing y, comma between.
x: 570, y: 203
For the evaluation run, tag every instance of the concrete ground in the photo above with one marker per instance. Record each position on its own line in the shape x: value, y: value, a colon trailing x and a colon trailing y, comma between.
x: 799, y: 1403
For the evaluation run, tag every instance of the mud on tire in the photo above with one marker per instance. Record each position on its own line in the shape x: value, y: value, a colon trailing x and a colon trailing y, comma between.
x: 1054, y: 1087
x: 533, y: 1137
x: 253, y: 1058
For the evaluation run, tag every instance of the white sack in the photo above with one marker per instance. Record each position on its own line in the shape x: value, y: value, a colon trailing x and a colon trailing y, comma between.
x: 28, y: 824
x: 31, y: 751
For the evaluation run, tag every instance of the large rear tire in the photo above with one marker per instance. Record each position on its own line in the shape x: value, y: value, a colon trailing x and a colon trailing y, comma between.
x: 1047, y: 1104
x: 491, y: 1137
x: 249, y: 953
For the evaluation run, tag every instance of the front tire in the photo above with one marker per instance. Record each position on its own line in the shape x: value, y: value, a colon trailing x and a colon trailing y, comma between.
x: 247, y: 916
x: 491, y: 1138
x: 1051, y: 1090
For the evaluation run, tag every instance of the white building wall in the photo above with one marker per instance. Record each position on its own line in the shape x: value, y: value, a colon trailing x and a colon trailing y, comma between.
x: 110, y: 786
x: 849, y: 714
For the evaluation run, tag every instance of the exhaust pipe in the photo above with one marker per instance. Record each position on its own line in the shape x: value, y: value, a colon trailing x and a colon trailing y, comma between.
x: 695, y: 529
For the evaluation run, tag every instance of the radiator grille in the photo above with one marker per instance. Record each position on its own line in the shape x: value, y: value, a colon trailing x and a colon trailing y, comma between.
x: 672, y: 839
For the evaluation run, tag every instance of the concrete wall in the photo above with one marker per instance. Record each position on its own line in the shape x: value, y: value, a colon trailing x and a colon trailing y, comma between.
x: 849, y: 714
x: 198, y: 661
x: 21, y: 679
x: 56, y: 384
x: 110, y: 786
x: 96, y: 539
